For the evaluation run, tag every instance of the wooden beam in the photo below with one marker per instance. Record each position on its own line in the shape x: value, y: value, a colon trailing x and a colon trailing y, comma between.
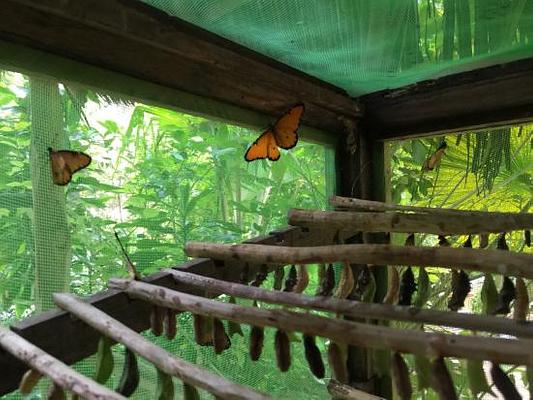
x: 492, y: 96
x: 68, y: 340
x: 140, y: 41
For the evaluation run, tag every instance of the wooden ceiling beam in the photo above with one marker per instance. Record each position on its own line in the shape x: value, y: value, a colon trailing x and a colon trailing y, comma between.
x: 493, y: 96
x: 134, y: 39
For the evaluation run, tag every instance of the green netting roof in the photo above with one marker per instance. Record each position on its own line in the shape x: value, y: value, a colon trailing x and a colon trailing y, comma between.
x: 368, y: 45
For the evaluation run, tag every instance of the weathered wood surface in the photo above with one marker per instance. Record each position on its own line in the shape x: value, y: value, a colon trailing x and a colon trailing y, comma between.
x: 54, y: 369
x: 122, y: 35
x: 162, y: 359
x: 512, y: 351
x: 339, y: 391
x: 493, y: 261
x: 460, y: 101
x: 404, y: 222
x: 352, y: 203
x: 353, y: 308
x: 70, y: 341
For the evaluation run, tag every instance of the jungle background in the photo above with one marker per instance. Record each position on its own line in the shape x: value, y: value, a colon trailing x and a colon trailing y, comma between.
x: 160, y: 178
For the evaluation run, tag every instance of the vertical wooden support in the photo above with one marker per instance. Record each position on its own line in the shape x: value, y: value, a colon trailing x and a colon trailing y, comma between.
x: 362, y: 174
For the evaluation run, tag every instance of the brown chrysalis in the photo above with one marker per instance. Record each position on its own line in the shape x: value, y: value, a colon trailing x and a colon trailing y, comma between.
x: 279, y: 274
x: 407, y: 287
x: 156, y: 320
x: 346, y: 282
x: 170, y: 324
x: 468, y: 242
x: 527, y: 238
x: 337, y: 363
x: 56, y: 393
x: 221, y: 340
x: 260, y: 276
x: 202, y: 330
x: 257, y: 337
x: 441, y: 381
x: 291, y: 280
x: 410, y: 240
x: 302, y: 279
x: 190, y: 392
x: 503, y: 383
x: 502, y: 243
x: 394, y: 286
x: 460, y: 289
x: 327, y: 284
x: 483, y: 240
x: 505, y: 296
x: 313, y: 357
x: 129, y: 380
x: 282, y: 346
x: 521, y: 304
x: 400, y: 376
x: 29, y: 381
x: 443, y: 242
x: 233, y: 327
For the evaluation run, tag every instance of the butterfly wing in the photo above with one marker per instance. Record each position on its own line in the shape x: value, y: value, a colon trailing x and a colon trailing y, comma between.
x: 264, y: 147
x: 65, y: 163
x: 434, y: 159
x: 286, y: 126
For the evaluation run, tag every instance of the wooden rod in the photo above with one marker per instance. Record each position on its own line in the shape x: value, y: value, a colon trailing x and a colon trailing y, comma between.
x: 371, y: 205
x: 355, y: 308
x: 163, y: 360
x: 340, y: 391
x: 511, y: 351
x: 445, y: 224
x: 493, y: 261
x: 51, y: 367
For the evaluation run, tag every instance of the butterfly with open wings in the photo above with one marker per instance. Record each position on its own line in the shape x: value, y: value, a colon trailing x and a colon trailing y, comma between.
x: 65, y: 163
x: 280, y: 135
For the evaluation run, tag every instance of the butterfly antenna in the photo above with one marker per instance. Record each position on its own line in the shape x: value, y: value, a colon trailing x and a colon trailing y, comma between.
x: 131, y: 267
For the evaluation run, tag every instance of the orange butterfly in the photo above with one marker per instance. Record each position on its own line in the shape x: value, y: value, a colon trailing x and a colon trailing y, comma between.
x: 434, y: 160
x: 65, y: 163
x: 281, y: 134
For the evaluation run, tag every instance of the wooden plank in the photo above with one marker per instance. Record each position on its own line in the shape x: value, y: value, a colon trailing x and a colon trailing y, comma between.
x: 122, y: 35
x: 492, y: 96
x: 70, y: 340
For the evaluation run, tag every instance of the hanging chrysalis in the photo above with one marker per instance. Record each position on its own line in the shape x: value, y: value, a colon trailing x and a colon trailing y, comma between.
x: 291, y: 280
x: 257, y: 337
x: 503, y: 383
x: 483, y: 240
x: 502, y: 243
x: 165, y: 387
x: 104, y: 360
x: 29, y: 381
x: 400, y: 376
x: 527, y: 238
x: 394, y: 286
x: 56, y: 393
x: 422, y: 288
x: 130, y: 375
x: 443, y: 242
x: 460, y: 289
x: 337, y: 362
x: 506, y: 295
x: 364, y: 279
x: 202, y: 330
x: 441, y: 381
x: 156, y: 320
x: 190, y: 392
x: 170, y: 324
x: 302, y: 279
x: 279, y: 274
x: 245, y: 274
x: 489, y: 295
x: 313, y: 357
x: 282, y: 346
x: 260, y: 276
x: 477, y: 382
x: 346, y: 282
x: 407, y: 287
x: 521, y: 304
x: 327, y: 284
x: 468, y: 242
x: 221, y: 340
x: 410, y: 240
x: 233, y: 327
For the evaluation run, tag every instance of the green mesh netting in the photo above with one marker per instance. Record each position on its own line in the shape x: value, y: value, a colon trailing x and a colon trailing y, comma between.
x: 364, y: 46
x: 160, y: 178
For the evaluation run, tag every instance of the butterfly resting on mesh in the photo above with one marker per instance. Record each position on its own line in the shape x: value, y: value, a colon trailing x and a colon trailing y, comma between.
x: 65, y: 163
x: 281, y: 135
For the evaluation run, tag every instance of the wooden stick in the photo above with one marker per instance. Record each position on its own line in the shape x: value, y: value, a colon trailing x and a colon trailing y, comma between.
x: 163, y: 360
x: 511, y: 351
x: 340, y: 391
x: 357, y: 309
x: 61, y: 374
x: 403, y: 222
x: 369, y: 205
x: 493, y: 261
